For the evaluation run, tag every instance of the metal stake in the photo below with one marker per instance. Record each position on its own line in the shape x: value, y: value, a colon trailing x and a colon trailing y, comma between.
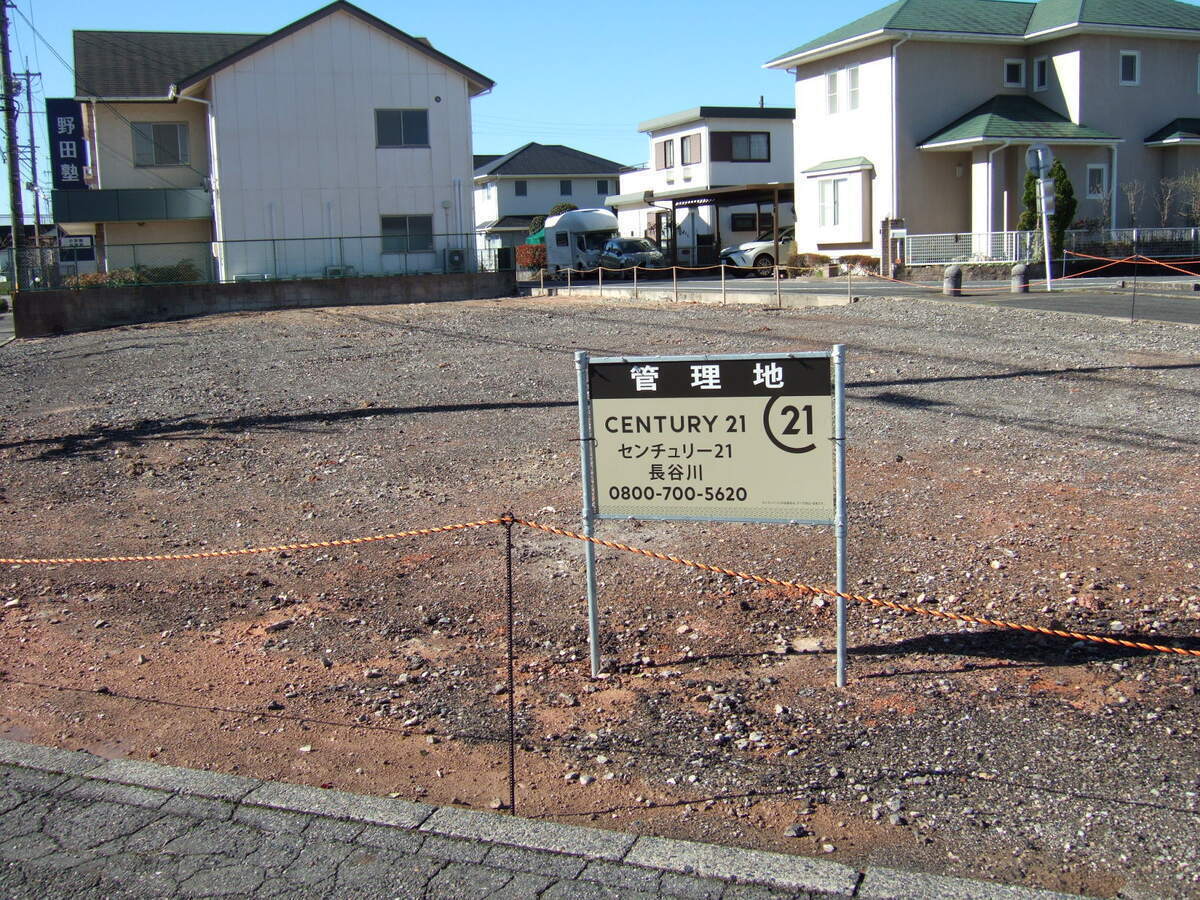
x: 675, y: 282
x: 589, y: 506
x: 839, y: 522
x: 722, y: 284
x: 635, y: 268
x: 512, y: 700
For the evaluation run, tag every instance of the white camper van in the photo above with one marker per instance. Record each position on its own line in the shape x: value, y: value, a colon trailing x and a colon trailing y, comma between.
x: 574, y: 239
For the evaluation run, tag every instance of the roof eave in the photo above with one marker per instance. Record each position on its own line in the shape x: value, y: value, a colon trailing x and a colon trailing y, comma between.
x: 792, y: 60
x: 96, y: 98
x: 1174, y: 142
x: 1095, y: 28
x: 965, y: 143
x: 887, y: 34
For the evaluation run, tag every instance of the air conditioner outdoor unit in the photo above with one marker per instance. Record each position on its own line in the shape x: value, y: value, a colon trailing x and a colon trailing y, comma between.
x: 456, y: 260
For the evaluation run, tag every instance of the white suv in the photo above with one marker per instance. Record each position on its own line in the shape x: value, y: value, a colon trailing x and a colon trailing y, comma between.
x: 759, y: 254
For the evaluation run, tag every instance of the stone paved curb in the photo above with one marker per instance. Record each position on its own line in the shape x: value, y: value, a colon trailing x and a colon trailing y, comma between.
x: 527, y: 857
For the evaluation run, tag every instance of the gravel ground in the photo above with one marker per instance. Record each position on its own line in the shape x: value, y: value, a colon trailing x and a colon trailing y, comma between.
x: 1020, y: 465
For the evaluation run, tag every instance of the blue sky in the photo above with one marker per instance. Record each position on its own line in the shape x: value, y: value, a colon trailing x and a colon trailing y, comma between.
x: 581, y: 74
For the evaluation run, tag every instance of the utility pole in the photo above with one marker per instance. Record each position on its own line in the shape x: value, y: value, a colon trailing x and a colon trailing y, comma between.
x: 33, y: 167
x: 10, y: 137
x: 33, y: 186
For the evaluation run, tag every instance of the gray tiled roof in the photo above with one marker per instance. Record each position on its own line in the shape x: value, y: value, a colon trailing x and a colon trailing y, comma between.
x: 549, y: 159
x: 146, y: 63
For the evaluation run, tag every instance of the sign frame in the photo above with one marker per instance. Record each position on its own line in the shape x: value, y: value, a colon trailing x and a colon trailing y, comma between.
x: 590, y: 514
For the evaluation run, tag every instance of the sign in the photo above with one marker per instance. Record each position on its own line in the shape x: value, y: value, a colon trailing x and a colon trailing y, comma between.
x: 1039, y: 159
x: 726, y: 438
x: 1046, y: 186
x: 68, y: 149
x: 75, y: 242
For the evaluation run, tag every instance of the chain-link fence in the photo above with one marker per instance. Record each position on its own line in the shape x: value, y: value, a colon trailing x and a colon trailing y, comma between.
x: 121, y: 265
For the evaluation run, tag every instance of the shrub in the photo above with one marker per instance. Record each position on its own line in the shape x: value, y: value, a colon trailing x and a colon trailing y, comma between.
x: 559, y: 208
x: 536, y: 224
x: 531, y: 256
x: 860, y: 264
x: 183, y: 271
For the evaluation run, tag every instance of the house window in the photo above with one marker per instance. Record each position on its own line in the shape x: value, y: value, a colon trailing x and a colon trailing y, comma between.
x: 831, y: 193
x: 664, y: 154
x: 689, y: 149
x: 406, y: 234
x: 521, y: 187
x: 750, y: 146
x: 755, y: 222
x: 1097, y: 182
x: 1131, y: 67
x: 831, y: 93
x: 160, y: 143
x: 1041, y: 73
x: 401, y: 128
x: 564, y: 187
x: 852, y: 87
x: 1014, y: 73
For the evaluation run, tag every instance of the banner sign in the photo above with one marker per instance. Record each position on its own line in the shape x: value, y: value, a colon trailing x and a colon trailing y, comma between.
x: 68, y: 149
x: 716, y: 438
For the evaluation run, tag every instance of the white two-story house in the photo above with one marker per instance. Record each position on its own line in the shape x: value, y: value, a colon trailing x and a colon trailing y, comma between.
x: 338, y: 144
x: 511, y: 189
x: 920, y: 115
x: 716, y: 175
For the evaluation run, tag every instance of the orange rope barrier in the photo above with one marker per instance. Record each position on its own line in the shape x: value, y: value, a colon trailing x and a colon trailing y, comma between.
x: 248, y: 551
x: 859, y: 598
x: 641, y: 551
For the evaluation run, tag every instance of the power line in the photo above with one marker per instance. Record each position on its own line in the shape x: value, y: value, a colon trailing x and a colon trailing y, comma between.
x: 116, y: 112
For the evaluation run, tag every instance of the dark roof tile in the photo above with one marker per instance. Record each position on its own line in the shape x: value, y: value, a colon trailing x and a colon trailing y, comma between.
x: 548, y: 159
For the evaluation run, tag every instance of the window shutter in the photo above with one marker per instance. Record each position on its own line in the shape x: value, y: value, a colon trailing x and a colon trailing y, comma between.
x: 721, y: 146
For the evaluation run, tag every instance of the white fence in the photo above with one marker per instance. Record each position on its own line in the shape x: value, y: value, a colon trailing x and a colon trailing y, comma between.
x: 1022, y: 246
x: 984, y: 247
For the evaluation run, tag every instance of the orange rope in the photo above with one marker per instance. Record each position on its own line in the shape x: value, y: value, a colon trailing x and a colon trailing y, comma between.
x: 213, y: 554
x: 858, y: 598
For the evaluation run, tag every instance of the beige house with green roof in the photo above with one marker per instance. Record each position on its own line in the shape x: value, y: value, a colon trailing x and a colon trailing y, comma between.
x: 923, y: 111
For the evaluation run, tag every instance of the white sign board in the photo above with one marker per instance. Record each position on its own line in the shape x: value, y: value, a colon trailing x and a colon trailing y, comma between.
x: 714, y: 438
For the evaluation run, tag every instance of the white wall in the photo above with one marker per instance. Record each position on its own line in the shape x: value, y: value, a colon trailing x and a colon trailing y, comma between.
x: 821, y: 136
x: 295, y: 128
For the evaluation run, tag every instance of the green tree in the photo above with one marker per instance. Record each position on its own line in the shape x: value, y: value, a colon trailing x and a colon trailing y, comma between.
x: 536, y: 224
x: 559, y: 208
x: 1065, y: 205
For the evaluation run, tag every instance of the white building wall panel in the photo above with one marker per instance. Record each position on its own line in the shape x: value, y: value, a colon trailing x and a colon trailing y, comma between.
x: 298, y: 156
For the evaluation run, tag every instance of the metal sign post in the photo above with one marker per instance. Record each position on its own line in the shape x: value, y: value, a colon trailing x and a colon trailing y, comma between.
x: 589, y: 510
x: 1039, y: 159
x: 737, y: 438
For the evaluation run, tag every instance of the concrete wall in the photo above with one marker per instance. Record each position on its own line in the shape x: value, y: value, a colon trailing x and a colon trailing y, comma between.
x: 46, y: 313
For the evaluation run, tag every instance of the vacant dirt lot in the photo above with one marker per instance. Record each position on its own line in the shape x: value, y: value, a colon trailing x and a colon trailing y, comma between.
x: 1026, y: 466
